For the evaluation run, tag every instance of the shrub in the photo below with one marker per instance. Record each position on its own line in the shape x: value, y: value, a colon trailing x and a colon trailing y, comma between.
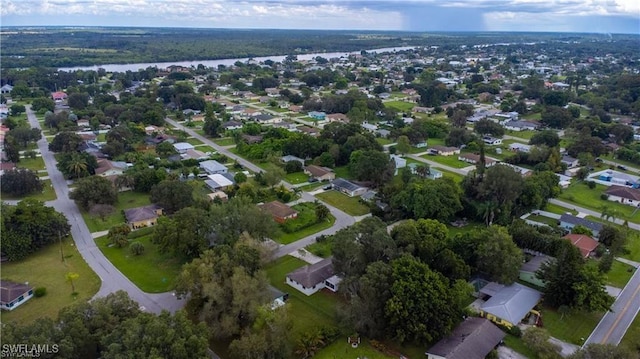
x: 136, y: 248
x: 591, y: 184
x: 604, y: 196
x: 40, y: 292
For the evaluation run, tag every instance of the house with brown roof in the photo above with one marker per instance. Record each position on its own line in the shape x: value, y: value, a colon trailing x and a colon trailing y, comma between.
x: 14, y: 294
x: 311, y: 131
x: 473, y: 159
x: 319, y: 173
x: 279, y: 211
x: 108, y: 168
x: 145, y: 216
x: 584, y: 243
x: 314, y: 277
x: 337, y: 117
x: 624, y: 195
x: 474, y: 338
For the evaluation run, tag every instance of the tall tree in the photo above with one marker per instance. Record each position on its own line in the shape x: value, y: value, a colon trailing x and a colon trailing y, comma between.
x: 498, y: 256
x: 94, y: 190
x: 19, y: 182
x: 172, y: 195
x: 188, y: 232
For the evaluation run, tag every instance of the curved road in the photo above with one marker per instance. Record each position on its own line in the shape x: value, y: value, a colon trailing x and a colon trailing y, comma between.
x: 112, y: 279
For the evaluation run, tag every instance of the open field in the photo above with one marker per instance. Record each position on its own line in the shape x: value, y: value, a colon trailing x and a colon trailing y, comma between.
x: 34, y: 164
x: 350, y: 205
x: 619, y: 274
x: 574, y: 328
x: 400, y: 105
x: 46, y: 269
x: 128, y: 199
x: 152, y: 271
x: 451, y: 161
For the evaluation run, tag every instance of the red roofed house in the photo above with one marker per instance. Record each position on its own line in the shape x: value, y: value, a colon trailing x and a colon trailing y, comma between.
x: 58, y: 96
x: 279, y: 211
x: 585, y: 244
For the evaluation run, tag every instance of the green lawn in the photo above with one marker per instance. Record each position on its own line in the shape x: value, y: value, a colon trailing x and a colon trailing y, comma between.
x: 400, y: 105
x: 631, y: 339
x: 542, y: 219
x: 573, y: 327
x: 46, y: 269
x: 516, y: 344
x: 226, y: 141
x: 581, y: 195
x: 532, y: 116
x: 342, y: 172
x: 312, y: 186
x: 554, y: 208
x: 451, y: 161
x: 309, y: 312
x: 47, y: 194
x: 342, y: 349
x: 633, y: 246
x: 153, y: 272
x: 296, y: 177
x: 126, y: 200
x: 383, y: 141
x: 350, y: 205
x: 526, y: 135
x: 470, y: 227
x: 194, y: 141
x: 35, y: 164
x: 321, y: 249
x: 610, y: 157
x: 619, y: 274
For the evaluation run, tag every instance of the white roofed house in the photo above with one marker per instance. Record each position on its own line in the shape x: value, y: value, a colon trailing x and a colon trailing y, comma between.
x: 213, y: 167
x: 218, y: 182
x: 183, y: 147
x: 508, y: 305
x: 399, y: 162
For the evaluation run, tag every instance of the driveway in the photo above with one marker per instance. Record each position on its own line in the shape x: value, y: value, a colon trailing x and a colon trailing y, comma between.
x: 112, y: 279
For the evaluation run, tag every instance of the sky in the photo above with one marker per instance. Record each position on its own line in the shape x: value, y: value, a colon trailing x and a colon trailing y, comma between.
x: 594, y: 16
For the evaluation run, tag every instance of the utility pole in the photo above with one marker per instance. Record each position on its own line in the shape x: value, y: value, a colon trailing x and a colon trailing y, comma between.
x: 61, y: 252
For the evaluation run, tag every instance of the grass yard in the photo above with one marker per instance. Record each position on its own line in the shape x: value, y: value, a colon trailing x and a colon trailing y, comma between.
x: 554, y: 208
x: 342, y: 172
x: 633, y: 246
x: 631, y: 339
x: 542, y: 219
x: 152, y: 271
x: 526, y: 135
x: 306, y: 222
x: 47, y: 194
x: 342, y: 349
x: 400, y: 105
x: 470, y: 227
x: 321, y: 249
x: 312, y: 186
x: 611, y: 157
x: 574, y: 328
x: 384, y: 141
x: 45, y: 269
x: 205, y: 148
x: 194, y: 141
x: 516, y: 344
x: 126, y: 200
x: 451, y: 161
x: 296, y: 177
x: 226, y: 141
x: 350, y: 205
x: 35, y: 164
x: 532, y: 116
x: 619, y: 274
x: 310, y: 312
x: 581, y: 195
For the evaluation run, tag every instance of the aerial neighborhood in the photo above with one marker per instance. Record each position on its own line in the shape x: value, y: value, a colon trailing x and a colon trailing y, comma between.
x: 459, y: 198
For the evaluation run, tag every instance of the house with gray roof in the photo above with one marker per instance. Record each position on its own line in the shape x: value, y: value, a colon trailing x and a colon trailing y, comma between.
x: 347, y: 187
x: 474, y: 338
x: 14, y: 294
x: 568, y: 221
x: 508, y: 305
x: 213, y: 167
x: 314, y: 277
x: 528, y: 270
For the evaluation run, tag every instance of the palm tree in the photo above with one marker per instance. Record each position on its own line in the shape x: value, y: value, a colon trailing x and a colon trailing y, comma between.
x: 608, y: 213
x: 488, y: 211
x: 77, y: 165
x: 309, y: 344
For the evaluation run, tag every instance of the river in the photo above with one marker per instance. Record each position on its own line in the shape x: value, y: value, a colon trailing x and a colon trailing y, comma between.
x: 226, y: 62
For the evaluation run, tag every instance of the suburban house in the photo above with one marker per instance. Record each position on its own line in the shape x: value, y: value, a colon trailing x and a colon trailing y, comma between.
x: 444, y: 150
x: 144, y: 216
x: 570, y: 161
x: 183, y: 147
x: 520, y: 125
x: 508, y: 305
x: 59, y: 96
x: 279, y: 211
x: 110, y: 168
x: 231, y: 125
x: 529, y: 269
x: 319, y: 173
x: 219, y: 195
x: 6, y: 89
x: 519, y: 147
x: 311, y: 131
x: 317, y: 115
x: 314, y: 277
x: 473, y: 159
x: 337, y: 117
x: 474, y: 338
x: 349, y: 188
x: 218, y: 182
x: 492, y: 141
x: 568, y: 221
x: 14, y: 294
x: 584, y: 243
x: 624, y: 195
x: 399, y: 162
x: 213, y: 167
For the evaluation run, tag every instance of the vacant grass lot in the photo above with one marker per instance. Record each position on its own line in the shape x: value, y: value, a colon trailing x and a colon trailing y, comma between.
x: 583, y: 196
x: 542, y: 219
x: 384, y: 141
x: 226, y: 141
x: 310, y: 312
x: 307, y: 219
x: 47, y: 194
x: 194, y: 141
x: 619, y: 274
x: 152, y: 271
x: 46, y: 269
x: 554, y: 208
x: 129, y: 199
x: 516, y: 344
x: 400, y: 105
x: 451, y: 161
x: 350, y: 205
x: 633, y: 246
x: 342, y: 172
x: 573, y: 327
x: 526, y: 135
x: 631, y: 339
x: 34, y: 164
x: 342, y: 349
x: 296, y: 177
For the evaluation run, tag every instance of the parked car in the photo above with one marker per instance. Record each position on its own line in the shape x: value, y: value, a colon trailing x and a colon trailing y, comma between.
x: 621, y: 167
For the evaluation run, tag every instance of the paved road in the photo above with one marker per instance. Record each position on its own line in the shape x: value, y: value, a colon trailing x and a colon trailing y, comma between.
x: 591, y: 212
x: 460, y: 171
x: 613, y: 163
x: 112, y: 279
x: 615, y: 323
